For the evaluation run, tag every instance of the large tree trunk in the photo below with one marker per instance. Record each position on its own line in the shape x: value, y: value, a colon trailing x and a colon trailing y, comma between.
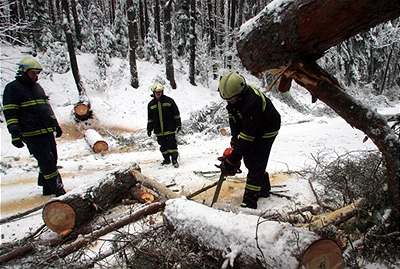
x: 279, y: 244
x: 192, y: 43
x: 70, y: 211
x: 306, y: 29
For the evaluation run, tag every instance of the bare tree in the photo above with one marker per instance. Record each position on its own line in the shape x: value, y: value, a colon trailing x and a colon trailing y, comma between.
x: 157, y: 26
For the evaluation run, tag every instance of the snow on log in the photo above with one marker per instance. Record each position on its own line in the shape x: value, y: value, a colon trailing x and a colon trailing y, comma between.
x: 68, y: 212
x: 96, y: 142
x: 286, y: 31
x: 281, y: 244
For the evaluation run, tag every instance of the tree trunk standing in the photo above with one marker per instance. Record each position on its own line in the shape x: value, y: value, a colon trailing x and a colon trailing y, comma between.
x: 51, y: 12
x: 386, y: 70
x: 169, y: 65
x: 240, y: 12
x: 72, y: 59
x: 157, y: 26
x: 146, y: 19
x: 58, y: 10
x: 65, y: 8
x: 233, y: 14
x: 211, y: 33
x: 192, y: 43
x: 141, y: 21
x: 78, y: 32
x: 112, y: 11
x: 307, y: 28
x: 132, y: 33
x: 20, y: 10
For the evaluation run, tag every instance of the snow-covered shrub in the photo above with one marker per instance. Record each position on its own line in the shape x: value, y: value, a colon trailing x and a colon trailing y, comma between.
x: 152, y: 49
x: 55, y: 59
x: 210, y: 119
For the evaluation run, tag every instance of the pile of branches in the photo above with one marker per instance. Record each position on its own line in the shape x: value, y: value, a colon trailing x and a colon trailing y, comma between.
x: 370, y: 234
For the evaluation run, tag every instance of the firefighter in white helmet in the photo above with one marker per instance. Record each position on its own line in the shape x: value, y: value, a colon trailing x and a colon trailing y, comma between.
x: 164, y: 120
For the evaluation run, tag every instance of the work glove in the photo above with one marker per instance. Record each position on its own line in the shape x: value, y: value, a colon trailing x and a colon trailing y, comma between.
x: 58, y: 131
x: 17, y: 141
x: 148, y: 133
x: 178, y: 129
x: 229, y: 168
x: 234, y: 142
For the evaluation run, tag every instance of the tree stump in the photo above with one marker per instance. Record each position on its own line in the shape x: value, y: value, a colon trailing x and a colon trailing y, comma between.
x: 82, y: 111
x: 96, y: 142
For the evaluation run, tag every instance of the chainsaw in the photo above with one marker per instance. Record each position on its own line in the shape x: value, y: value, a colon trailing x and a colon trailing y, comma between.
x: 227, y: 153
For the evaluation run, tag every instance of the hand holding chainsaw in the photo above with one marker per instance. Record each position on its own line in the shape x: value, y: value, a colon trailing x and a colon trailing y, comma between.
x: 228, y: 167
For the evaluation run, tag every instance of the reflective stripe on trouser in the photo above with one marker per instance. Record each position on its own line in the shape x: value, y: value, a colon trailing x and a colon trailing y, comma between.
x: 168, y: 146
x: 256, y: 160
x: 44, y: 150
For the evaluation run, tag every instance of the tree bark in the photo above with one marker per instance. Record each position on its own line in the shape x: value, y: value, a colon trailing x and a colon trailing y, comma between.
x: 169, y: 64
x: 192, y: 43
x: 157, y: 26
x: 132, y: 32
x: 305, y: 29
x: 77, y: 24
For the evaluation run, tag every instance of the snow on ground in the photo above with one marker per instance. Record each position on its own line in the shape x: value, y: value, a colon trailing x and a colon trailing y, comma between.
x: 121, y: 111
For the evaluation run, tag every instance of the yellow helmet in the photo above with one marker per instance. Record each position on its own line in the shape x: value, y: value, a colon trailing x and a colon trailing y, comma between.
x: 157, y: 87
x: 28, y: 63
x: 231, y: 84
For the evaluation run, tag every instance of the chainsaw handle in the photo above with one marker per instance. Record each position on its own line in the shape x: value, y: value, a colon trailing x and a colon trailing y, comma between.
x: 238, y: 170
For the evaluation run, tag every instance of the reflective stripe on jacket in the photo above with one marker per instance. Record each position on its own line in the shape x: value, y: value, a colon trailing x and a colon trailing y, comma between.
x: 26, y: 109
x: 163, y: 116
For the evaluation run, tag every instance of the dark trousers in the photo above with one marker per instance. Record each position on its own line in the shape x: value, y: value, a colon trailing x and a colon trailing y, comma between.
x: 168, y: 146
x: 44, y: 150
x: 256, y: 160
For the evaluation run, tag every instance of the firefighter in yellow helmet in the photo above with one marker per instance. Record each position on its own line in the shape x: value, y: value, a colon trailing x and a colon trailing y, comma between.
x: 164, y: 120
x: 31, y: 121
x: 254, y: 124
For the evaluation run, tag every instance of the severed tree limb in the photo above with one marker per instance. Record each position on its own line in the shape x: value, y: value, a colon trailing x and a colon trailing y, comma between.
x: 85, y: 240
x: 20, y: 215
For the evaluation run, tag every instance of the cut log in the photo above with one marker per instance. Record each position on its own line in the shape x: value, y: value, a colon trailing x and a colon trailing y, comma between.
x: 286, y: 31
x: 96, y: 142
x: 69, y: 212
x: 82, y: 111
x: 72, y: 210
x: 281, y: 244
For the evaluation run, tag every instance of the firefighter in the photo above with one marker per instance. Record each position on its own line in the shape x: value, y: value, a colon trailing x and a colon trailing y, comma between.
x: 254, y: 124
x: 164, y: 120
x: 31, y: 121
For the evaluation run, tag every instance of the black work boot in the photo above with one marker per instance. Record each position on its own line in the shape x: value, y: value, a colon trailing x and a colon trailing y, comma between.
x: 250, y: 199
x: 265, y: 187
x: 166, y: 159
x: 175, y: 160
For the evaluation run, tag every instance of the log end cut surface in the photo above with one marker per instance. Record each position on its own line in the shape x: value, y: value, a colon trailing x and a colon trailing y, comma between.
x: 59, y: 217
x: 324, y: 253
x: 100, y: 146
x: 81, y: 109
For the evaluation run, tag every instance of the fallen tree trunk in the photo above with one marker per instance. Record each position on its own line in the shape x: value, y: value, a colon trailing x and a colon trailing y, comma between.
x: 96, y: 142
x: 281, y: 244
x: 305, y: 29
x: 69, y: 212
x: 85, y: 240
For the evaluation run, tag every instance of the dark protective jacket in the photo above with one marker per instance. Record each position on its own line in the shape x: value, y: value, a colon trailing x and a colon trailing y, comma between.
x: 163, y: 116
x: 251, y: 119
x: 27, y: 109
